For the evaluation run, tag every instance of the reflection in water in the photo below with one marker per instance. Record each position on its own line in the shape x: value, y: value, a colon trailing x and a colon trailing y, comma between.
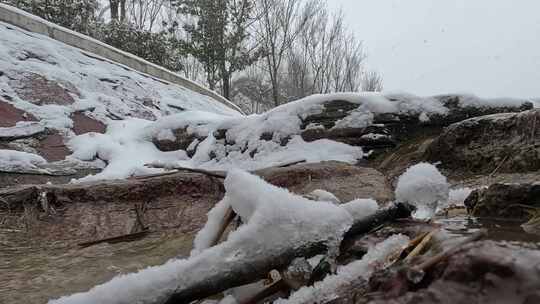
x: 498, y: 229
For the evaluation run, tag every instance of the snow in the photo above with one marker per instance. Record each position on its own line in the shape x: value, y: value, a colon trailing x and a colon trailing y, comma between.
x: 361, y: 207
x: 122, y: 148
x: 274, y: 219
x: 206, y: 235
x: 325, y: 290
x: 458, y: 196
x: 423, y: 186
x: 141, y: 61
x: 273, y: 138
x: 109, y: 89
x: 11, y: 160
x: 472, y: 100
x: 374, y: 136
x: 22, y: 129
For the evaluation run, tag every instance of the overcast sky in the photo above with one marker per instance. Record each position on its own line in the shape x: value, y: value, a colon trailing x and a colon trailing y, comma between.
x: 487, y: 47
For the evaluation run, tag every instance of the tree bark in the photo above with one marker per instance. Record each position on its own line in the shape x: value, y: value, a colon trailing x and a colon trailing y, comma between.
x: 123, y: 11
x: 114, y: 9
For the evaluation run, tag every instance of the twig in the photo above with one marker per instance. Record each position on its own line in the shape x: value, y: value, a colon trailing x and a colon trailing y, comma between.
x: 118, y: 239
x: 291, y: 164
x: 155, y: 175
x: 497, y: 168
x: 216, y: 174
x: 446, y: 254
x: 227, y: 219
x: 424, y: 241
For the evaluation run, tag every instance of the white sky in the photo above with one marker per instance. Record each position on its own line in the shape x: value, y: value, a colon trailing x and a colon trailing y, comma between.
x: 487, y: 47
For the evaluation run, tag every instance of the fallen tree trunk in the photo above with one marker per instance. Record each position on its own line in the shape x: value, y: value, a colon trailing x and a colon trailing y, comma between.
x: 239, y: 272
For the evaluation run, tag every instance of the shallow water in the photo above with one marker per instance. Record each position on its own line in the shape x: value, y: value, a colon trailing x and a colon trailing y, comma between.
x: 498, y: 229
x: 33, y: 273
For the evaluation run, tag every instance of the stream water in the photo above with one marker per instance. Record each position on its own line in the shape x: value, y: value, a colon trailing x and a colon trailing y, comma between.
x: 33, y: 273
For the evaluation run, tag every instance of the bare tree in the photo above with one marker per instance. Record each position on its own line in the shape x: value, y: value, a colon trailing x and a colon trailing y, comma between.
x: 118, y: 10
x: 372, y: 82
x: 252, y: 92
x: 326, y: 58
x: 281, y: 22
x: 144, y: 14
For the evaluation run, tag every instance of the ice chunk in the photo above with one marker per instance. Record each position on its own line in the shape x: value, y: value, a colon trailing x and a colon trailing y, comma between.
x: 423, y: 186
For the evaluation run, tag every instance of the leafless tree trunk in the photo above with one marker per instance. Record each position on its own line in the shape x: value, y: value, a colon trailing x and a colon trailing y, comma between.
x: 113, y: 5
x: 118, y: 10
x: 372, y: 82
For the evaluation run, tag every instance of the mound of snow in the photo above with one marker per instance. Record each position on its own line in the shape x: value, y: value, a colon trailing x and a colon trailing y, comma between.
x: 423, y: 186
x: 122, y: 147
x: 11, y: 160
x: 272, y: 138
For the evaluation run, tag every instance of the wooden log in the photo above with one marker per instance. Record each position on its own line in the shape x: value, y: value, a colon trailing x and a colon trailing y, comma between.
x: 227, y: 219
x: 242, y: 272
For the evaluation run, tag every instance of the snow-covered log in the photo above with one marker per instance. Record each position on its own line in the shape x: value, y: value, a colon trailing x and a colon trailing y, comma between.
x: 279, y: 227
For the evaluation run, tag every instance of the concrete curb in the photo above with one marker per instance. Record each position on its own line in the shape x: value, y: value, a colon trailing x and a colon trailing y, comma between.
x: 38, y: 25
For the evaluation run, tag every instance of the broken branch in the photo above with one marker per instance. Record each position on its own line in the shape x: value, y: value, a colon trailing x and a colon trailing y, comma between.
x: 237, y: 273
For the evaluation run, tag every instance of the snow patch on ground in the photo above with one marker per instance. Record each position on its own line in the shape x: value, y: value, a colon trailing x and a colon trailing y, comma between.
x: 11, y: 160
x: 22, y: 129
x: 123, y: 148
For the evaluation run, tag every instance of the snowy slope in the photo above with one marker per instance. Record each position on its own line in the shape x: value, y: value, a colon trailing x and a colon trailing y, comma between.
x: 52, y: 84
x: 112, y: 90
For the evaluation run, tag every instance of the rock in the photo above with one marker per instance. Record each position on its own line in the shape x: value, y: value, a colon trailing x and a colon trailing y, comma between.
x: 52, y: 147
x: 332, y: 119
x: 39, y: 90
x: 178, y: 139
x: 507, y: 142
x: 10, y: 116
x: 458, y: 112
x: 501, y: 200
x: 482, y: 272
x: 345, y: 181
x: 177, y: 202
x: 388, y: 129
x: 84, y: 124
